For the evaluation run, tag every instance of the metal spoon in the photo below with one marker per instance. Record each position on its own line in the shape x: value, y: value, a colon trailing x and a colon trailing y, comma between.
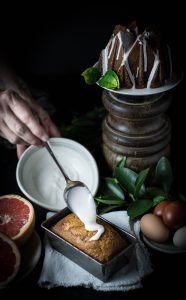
x: 70, y: 183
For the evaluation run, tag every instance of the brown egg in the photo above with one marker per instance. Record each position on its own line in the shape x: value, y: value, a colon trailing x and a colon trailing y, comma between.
x: 174, y: 214
x: 158, y: 210
x: 153, y: 228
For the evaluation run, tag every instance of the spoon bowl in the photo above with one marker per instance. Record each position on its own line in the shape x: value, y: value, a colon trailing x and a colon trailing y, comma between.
x: 71, y: 185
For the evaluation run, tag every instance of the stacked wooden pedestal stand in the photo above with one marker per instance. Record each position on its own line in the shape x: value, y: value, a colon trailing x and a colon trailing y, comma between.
x: 137, y: 127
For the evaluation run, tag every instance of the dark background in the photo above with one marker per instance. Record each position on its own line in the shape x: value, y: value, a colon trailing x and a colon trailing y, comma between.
x: 50, y: 47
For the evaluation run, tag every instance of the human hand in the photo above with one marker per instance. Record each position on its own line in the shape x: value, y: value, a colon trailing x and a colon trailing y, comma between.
x: 23, y: 121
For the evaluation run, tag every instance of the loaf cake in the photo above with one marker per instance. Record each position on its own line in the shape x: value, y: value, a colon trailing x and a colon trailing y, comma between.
x: 71, y: 229
x: 140, y: 58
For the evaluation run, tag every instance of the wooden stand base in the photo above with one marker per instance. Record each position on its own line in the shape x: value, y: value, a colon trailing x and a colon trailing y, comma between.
x: 136, y: 127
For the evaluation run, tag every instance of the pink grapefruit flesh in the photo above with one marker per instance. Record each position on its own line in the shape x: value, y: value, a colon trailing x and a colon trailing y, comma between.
x: 17, y: 218
x: 9, y: 259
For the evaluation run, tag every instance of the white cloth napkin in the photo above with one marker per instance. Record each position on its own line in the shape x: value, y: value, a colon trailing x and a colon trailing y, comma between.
x: 60, y: 271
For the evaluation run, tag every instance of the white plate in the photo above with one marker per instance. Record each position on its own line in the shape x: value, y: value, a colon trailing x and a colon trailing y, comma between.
x: 175, y: 80
x: 163, y: 247
x: 30, y: 254
x: 41, y: 181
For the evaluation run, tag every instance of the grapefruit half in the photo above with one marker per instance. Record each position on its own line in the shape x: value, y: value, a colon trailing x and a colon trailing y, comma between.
x: 17, y: 218
x: 9, y: 259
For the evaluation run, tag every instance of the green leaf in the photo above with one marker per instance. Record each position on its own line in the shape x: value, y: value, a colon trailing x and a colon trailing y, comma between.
x: 122, y: 162
x: 91, y: 75
x: 139, y: 207
x: 120, y: 165
x: 109, y: 186
x: 109, y: 208
x: 110, y: 80
x: 109, y: 199
x: 154, y: 192
x: 140, y: 181
x: 164, y: 174
x: 158, y: 199
x: 127, y: 179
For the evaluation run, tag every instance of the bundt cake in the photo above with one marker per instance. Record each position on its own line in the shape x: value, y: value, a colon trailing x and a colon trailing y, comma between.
x: 141, y: 60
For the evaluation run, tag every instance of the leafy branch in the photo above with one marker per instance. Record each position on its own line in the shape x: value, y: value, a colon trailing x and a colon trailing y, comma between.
x: 85, y: 128
x: 127, y: 189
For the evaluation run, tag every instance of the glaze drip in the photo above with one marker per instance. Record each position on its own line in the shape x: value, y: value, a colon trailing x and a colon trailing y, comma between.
x: 81, y: 203
x: 136, y: 58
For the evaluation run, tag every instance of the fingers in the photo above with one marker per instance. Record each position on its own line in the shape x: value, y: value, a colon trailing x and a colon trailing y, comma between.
x: 20, y: 149
x: 9, y: 135
x: 46, y: 121
x: 19, y: 125
x: 20, y: 129
x: 31, y: 128
x: 53, y: 130
x: 43, y: 116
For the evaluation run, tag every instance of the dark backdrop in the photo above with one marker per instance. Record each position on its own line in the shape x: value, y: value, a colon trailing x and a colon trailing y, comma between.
x: 50, y: 47
x: 63, y: 41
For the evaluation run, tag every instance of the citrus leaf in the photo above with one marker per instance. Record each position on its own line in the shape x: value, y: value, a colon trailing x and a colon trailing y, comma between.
x: 154, y: 192
x: 109, y: 80
x: 120, y: 165
x: 109, y: 208
x: 109, y: 199
x: 158, y: 199
x: 109, y: 186
x: 127, y: 178
x: 140, y: 181
x: 164, y: 174
x: 91, y: 75
x: 139, y: 207
x: 122, y: 162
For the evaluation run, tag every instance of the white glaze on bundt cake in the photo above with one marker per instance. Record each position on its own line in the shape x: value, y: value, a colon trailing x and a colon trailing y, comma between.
x: 141, y: 60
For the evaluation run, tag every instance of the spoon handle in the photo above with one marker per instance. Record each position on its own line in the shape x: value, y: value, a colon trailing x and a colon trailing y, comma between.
x: 49, y: 149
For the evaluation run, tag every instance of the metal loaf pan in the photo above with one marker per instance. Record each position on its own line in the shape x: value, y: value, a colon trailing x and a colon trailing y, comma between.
x: 103, y: 271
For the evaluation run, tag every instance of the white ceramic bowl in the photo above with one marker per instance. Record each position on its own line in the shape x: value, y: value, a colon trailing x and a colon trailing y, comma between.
x: 41, y: 181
